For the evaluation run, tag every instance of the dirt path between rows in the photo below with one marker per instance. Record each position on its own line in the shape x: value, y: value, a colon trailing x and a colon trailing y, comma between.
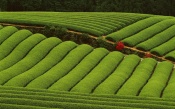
x: 91, y: 36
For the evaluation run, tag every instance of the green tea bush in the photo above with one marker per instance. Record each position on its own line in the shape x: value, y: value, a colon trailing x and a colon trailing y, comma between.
x: 54, y: 57
x: 158, y: 80
x: 133, y: 28
x: 32, y: 58
x: 20, y: 51
x: 158, y: 39
x: 152, y: 30
x: 62, y: 68
x: 170, y: 88
x: 80, y: 71
x: 112, y: 84
x: 6, y: 32
x: 10, y: 43
x: 164, y: 48
x: 99, y: 73
x: 170, y: 55
x: 139, y: 77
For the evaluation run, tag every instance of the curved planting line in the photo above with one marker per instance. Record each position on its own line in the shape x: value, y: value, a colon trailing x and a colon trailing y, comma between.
x: 16, y: 106
x: 54, y: 57
x: 121, y: 101
x: 170, y: 55
x: 134, y: 28
x: 62, y: 68
x: 80, y: 29
x: 158, y: 39
x: 80, y: 71
x: 78, y: 104
x: 158, y: 81
x: 170, y: 88
x: 90, y: 24
x: 99, y: 73
x: 6, y: 32
x: 10, y: 43
x: 96, y: 22
x: 72, y: 103
x: 20, y: 51
x: 139, y: 77
x: 52, y: 94
x: 112, y: 84
x: 32, y: 58
x: 154, y: 31
x: 56, y: 23
x: 164, y: 48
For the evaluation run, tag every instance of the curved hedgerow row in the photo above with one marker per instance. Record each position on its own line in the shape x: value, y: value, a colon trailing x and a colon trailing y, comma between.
x: 16, y: 106
x: 112, y: 84
x: 158, y: 39
x: 170, y: 55
x: 20, y: 51
x: 6, y: 32
x: 80, y: 71
x: 134, y: 28
x: 164, y: 48
x: 54, y: 57
x: 158, y: 80
x: 82, y: 102
x: 170, y: 88
x: 62, y: 68
x: 75, y: 104
x: 98, y: 23
x: 161, y: 27
x: 52, y: 93
x: 99, y: 73
x: 32, y: 58
x: 10, y: 43
x: 139, y: 77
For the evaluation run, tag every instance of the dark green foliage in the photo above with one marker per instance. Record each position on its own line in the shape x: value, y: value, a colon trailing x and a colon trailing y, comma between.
x: 134, y: 6
x: 54, y: 31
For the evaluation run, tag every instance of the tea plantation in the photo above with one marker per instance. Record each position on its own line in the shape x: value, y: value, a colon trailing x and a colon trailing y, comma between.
x: 145, y: 32
x: 41, y: 72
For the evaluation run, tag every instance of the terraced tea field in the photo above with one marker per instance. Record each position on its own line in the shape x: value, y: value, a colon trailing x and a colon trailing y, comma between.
x: 154, y: 34
x: 39, y: 72
x: 97, y: 24
x: 148, y: 33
